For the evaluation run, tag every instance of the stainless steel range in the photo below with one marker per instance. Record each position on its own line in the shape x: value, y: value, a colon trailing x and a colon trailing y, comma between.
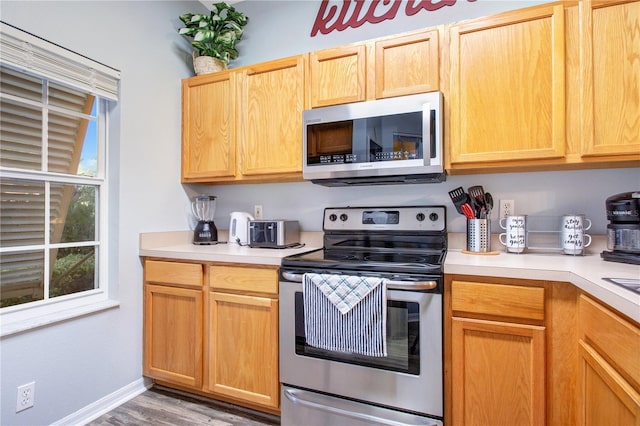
x: 403, y: 248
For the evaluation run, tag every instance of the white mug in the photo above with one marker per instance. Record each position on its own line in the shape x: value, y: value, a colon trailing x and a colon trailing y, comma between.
x: 572, y: 233
x: 515, y: 237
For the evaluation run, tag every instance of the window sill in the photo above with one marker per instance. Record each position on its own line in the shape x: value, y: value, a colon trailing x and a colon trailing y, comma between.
x: 16, y: 327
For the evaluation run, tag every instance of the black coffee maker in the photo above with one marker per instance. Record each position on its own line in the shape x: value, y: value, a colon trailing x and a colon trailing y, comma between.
x: 623, y: 230
x: 203, y: 208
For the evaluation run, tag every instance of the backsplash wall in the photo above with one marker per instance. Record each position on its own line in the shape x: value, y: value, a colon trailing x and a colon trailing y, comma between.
x: 540, y: 193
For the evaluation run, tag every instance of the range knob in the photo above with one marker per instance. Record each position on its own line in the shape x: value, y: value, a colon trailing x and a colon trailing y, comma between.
x: 433, y: 217
x: 344, y: 217
x: 420, y: 217
x: 333, y: 217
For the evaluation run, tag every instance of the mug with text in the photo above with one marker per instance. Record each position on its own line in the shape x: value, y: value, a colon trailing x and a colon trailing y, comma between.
x: 572, y: 233
x: 515, y: 237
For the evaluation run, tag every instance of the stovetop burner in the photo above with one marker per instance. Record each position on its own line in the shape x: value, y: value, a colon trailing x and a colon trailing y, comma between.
x: 376, y: 240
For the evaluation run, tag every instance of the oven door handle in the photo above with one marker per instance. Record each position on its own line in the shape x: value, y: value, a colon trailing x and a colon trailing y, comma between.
x: 391, y: 284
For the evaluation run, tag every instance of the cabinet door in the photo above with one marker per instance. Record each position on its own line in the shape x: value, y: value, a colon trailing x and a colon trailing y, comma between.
x: 338, y: 75
x: 173, y: 334
x: 243, y: 350
x: 271, y: 105
x: 407, y: 65
x: 498, y: 373
x: 606, y: 398
x: 610, y: 77
x: 507, y: 88
x: 208, y: 127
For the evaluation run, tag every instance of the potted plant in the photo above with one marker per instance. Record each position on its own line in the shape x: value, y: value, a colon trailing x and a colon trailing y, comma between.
x: 214, y: 36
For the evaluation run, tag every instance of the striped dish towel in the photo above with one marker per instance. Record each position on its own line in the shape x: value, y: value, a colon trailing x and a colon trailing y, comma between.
x: 346, y: 313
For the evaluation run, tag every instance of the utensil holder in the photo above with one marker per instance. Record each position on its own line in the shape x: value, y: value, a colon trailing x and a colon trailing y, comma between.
x: 478, y: 235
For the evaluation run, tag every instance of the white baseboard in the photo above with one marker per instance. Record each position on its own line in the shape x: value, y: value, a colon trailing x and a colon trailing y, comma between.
x: 106, y: 404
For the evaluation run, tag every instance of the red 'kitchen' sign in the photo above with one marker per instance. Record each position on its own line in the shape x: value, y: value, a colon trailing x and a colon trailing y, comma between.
x: 377, y: 11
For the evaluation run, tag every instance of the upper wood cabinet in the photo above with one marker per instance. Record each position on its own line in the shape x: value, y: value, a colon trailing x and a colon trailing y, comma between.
x: 244, y: 125
x: 338, y: 75
x: 407, y: 64
x: 610, y: 73
x: 271, y: 101
x: 209, y: 127
x: 507, y: 87
x: 381, y: 68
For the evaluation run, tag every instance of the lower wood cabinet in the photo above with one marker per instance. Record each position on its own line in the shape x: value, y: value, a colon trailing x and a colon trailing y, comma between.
x: 609, y: 367
x: 497, y: 355
x: 218, y: 340
x: 173, y: 303
x: 243, y: 348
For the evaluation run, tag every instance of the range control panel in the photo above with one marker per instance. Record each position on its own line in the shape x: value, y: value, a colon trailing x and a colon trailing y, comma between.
x: 414, y: 218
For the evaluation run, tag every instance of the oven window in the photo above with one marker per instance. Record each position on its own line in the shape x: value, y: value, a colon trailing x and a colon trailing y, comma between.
x: 403, y: 344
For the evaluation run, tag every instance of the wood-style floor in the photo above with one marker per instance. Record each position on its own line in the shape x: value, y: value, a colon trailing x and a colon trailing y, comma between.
x: 160, y: 406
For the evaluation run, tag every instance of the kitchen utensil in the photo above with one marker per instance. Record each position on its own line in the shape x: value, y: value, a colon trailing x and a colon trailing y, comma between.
x: 477, y: 195
x: 467, y: 211
x: 488, y: 200
x: 459, y: 197
x: 239, y: 228
x: 203, y: 208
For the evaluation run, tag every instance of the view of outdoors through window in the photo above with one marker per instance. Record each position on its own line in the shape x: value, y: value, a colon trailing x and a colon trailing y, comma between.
x: 50, y: 189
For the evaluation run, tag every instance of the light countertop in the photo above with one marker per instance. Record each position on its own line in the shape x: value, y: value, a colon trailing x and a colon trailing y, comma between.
x: 586, y: 272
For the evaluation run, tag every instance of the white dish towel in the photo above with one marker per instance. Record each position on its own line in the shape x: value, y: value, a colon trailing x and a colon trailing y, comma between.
x: 346, y: 313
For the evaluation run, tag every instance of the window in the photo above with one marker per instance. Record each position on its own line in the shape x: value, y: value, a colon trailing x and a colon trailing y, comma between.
x: 54, y: 112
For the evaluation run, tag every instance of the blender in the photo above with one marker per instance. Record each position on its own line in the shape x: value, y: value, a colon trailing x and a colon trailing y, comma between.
x: 203, y: 208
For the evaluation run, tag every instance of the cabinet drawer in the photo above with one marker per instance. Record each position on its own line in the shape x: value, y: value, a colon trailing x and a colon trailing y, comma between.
x: 615, y: 338
x: 497, y: 299
x: 260, y: 280
x: 173, y: 273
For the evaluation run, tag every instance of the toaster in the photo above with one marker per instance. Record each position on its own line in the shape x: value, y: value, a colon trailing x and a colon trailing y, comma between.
x: 274, y: 233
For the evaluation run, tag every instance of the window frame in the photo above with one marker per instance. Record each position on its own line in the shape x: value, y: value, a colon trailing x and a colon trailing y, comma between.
x: 26, y: 316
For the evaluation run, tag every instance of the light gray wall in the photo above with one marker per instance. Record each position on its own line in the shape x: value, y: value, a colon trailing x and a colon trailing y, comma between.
x: 77, y: 362
x: 282, y: 28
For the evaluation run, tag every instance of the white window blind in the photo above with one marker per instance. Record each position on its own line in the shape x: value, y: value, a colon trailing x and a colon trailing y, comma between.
x: 32, y: 54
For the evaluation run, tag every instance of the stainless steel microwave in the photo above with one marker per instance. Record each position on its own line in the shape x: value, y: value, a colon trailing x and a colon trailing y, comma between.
x: 386, y: 141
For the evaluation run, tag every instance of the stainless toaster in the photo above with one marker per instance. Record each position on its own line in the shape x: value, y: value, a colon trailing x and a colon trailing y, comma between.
x: 274, y: 233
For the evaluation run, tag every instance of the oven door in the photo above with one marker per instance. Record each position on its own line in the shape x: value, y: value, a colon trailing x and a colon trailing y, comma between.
x: 409, y: 378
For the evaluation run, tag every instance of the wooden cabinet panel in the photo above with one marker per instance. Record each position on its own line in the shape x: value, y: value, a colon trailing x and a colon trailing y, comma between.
x: 338, y: 75
x: 270, y: 117
x: 612, y: 335
x: 507, y: 87
x: 610, y: 77
x: 243, y: 350
x: 609, y: 368
x: 498, y: 300
x: 407, y: 65
x: 173, y: 334
x: 498, y: 373
x: 247, y: 279
x: 605, y: 397
x: 173, y: 273
x: 208, y: 127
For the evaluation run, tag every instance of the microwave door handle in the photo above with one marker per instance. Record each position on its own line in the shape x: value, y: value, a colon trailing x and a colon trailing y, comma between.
x: 426, y: 133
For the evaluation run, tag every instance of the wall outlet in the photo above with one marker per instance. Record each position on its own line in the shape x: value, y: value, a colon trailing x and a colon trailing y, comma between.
x: 507, y: 207
x: 26, y: 394
x: 257, y: 211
